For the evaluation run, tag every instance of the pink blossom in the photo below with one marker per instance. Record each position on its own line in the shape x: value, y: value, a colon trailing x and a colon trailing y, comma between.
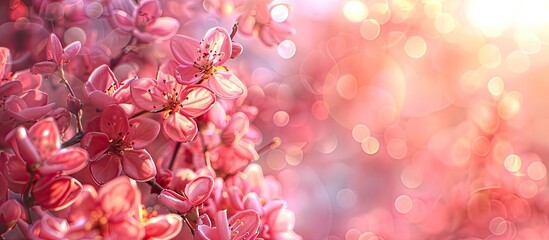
x: 145, y: 22
x: 56, y: 55
x: 165, y: 226
x: 178, y: 103
x: 203, y: 61
x: 119, y: 145
x: 103, y: 89
x: 257, y: 21
x: 10, y: 212
x: 28, y: 80
x: 243, y: 225
x: 196, y: 192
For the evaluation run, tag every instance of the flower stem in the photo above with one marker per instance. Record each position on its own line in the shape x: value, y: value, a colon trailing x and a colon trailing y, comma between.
x: 27, y: 197
x: 174, y: 155
x: 234, y: 30
x: 205, y: 149
x: 71, y: 92
x: 155, y: 185
x: 74, y: 140
x: 188, y: 224
x: 270, y: 146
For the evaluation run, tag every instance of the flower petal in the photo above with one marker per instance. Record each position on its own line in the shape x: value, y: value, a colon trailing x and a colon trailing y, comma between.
x: 187, y: 74
x: 106, y: 168
x: 29, y: 80
x: 198, y: 100
x: 71, y: 51
x: 101, y: 100
x: 248, y: 220
x: 217, y: 40
x: 54, y: 50
x: 114, y: 122
x: 57, y: 193
x: 34, y: 98
x: 174, y: 201
x: 148, y: 9
x: 5, y: 62
x: 67, y: 161
x: 123, y: 20
x: 102, y: 78
x: 22, y: 146
x: 282, y: 221
x: 226, y: 85
x: 163, y: 28
x: 138, y: 165
x: 96, y: 143
x: 45, y: 67
x: 163, y: 227
x: 199, y: 189
x: 146, y: 95
x: 119, y: 196
x: 143, y: 131
x: 180, y: 128
x: 184, y: 49
x: 45, y: 137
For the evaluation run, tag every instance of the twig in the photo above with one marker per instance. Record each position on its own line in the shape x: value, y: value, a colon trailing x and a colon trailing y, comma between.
x: 174, y: 155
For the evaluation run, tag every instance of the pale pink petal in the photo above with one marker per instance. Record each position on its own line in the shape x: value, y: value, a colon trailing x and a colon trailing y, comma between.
x: 18, y: 109
x: 138, y: 165
x: 206, y: 232
x: 96, y: 143
x: 128, y: 228
x: 143, y: 131
x: 34, y: 98
x: 198, y: 100
x: 282, y: 221
x: 29, y: 80
x: 217, y: 115
x: 248, y: 222
x: 45, y: 137
x: 174, y: 201
x: 222, y: 225
x: 118, y: 197
x: 149, y: 8
x: 102, y: 79
x: 184, y: 49
x: 163, y: 28
x: 86, y: 203
x: 22, y: 146
x: 145, y: 37
x: 105, y: 168
x: 54, y: 50
x: 180, y: 128
x: 187, y: 74
x: 67, y: 161
x: 163, y: 227
x: 49, y: 227
x: 246, y: 24
x: 146, y: 95
x: 45, y: 67
x: 114, y: 122
x: 237, y: 50
x: 11, y: 88
x: 167, y: 71
x: 71, y: 51
x: 101, y: 100
x: 123, y: 20
x: 199, y: 189
x: 251, y: 201
x: 266, y: 36
x: 218, y: 40
x: 262, y: 13
x: 245, y: 150
x: 5, y: 62
x: 226, y: 85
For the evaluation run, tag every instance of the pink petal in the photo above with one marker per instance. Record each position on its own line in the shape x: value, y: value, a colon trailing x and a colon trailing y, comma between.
x: 245, y: 224
x: 106, y: 168
x: 96, y: 143
x: 16, y: 170
x: 163, y: 227
x: 238, y: 124
x: 188, y: 74
x: 34, y: 98
x: 146, y: 95
x: 11, y: 88
x: 180, y: 128
x: 84, y: 205
x: 102, y: 78
x: 118, y: 197
x: 282, y: 221
x: 246, y: 24
x: 251, y: 201
x: 57, y: 193
x: 217, y: 115
x: 199, y: 189
x: 101, y: 100
x: 18, y: 109
x: 67, y: 161
x: 54, y: 50
x: 226, y: 85
x: 22, y: 146
x: 163, y: 28
x: 150, y: 8
x: 123, y: 20
x: 29, y: 80
x: 184, y: 49
x: 114, y: 122
x: 174, y: 201
x: 206, y: 232
x: 266, y: 36
x: 167, y: 71
x: 198, y: 100
x: 219, y: 42
x: 245, y: 150
x: 142, y: 132
x: 222, y: 225
x: 45, y: 67
x: 5, y: 62
x: 128, y: 228
x: 138, y: 165
x: 237, y: 50
x: 45, y: 137
x: 49, y: 227
x: 71, y: 51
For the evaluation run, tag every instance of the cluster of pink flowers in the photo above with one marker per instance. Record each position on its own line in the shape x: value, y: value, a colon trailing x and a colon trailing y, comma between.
x: 82, y: 122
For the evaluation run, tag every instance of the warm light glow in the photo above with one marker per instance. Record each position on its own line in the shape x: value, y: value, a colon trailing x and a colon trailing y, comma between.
x: 512, y: 163
x: 355, y: 11
x: 280, y: 13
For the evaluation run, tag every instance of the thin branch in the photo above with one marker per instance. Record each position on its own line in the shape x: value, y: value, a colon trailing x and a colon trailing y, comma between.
x: 174, y: 155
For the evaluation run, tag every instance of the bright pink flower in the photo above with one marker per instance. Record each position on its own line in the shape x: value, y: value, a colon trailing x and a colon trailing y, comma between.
x: 162, y: 226
x: 56, y: 55
x: 28, y: 80
x: 111, y: 213
x: 10, y: 212
x: 16, y: 105
x: 103, y: 89
x: 179, y: 104
x: 243, y: 225
x: 120, y: 145
x: 203, y: 60
x: 49, y: 227
x: 56, y: 193
x: 39, y: 148
x: 145, y: 22
x: 196, y: 192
